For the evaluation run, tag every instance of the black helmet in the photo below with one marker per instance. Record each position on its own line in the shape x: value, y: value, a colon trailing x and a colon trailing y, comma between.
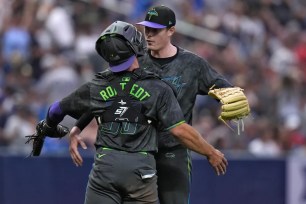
x: 119, y: 42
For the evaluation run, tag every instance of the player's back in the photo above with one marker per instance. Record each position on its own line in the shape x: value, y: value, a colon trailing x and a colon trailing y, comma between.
x: 128, y: 106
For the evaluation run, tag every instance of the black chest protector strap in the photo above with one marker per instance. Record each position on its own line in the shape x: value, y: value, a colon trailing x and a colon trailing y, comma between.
x: 125, y: 107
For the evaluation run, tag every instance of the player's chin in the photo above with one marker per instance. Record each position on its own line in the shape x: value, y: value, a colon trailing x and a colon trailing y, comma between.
x: 152, y: 47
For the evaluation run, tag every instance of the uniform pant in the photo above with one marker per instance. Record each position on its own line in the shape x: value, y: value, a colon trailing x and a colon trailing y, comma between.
x: 119, y: 177
x: 174, y: 175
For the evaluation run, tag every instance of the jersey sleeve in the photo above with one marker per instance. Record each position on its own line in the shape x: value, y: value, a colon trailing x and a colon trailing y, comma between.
x: 169, y: 111
x: 84, y: 120
x: 209, y: 77
x: 77, y: 103
x: 73, y: 105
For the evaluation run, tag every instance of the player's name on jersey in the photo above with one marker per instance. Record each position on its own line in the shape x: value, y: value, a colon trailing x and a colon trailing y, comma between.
x: 136, y: 91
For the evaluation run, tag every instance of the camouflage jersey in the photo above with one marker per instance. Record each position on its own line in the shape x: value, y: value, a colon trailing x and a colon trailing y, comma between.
x: 190, y: 75
x: 126, y: 110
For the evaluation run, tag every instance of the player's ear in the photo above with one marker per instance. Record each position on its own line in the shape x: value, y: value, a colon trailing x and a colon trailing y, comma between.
x: 171, y: 31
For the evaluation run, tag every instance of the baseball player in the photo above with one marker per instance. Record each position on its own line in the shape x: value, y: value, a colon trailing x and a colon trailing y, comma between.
x: 190, y: 75
x: 128, y: 104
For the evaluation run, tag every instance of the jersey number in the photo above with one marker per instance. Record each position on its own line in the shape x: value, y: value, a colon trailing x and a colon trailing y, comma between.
x: 124, y: 128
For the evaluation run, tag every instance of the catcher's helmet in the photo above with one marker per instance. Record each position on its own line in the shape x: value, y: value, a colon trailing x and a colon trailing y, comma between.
x: 118, y: 44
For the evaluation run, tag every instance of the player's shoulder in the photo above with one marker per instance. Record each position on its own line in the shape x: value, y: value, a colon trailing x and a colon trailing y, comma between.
x: 102, y: 77
x: 104, y: 74
x: 163, y: 85
x: 189, y: 54
x: 150, y: 78
x: 143, y: 74
x: 195, y: 59
x: 186, y: 52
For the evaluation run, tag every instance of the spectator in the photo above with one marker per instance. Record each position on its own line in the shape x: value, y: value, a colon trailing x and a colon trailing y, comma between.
x: 18, y: 125
x: 264, y: 54
x: 266, y: 143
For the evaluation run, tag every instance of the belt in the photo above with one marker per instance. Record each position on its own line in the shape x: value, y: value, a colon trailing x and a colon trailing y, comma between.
x: 140, y: 152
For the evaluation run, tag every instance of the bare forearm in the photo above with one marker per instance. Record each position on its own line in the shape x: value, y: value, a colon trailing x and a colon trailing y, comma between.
x: 189, y: 137
x: 192, y: 139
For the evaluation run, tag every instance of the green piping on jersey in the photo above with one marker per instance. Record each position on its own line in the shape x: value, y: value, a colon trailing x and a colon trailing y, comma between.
x: 183, y: 121
x: 189, y: 164
x: 189, y: 168
x: 106, y: 148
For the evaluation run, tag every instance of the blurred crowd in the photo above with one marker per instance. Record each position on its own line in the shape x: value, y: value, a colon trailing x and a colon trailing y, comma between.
x: 47, y: 50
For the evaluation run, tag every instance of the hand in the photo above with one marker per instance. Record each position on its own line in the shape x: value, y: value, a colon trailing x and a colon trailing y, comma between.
x: 75, y: 140
x: 217, y: 160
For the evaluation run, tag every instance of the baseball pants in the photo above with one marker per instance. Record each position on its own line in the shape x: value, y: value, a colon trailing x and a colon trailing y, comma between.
x: 119, y: 177
x: 174, y: 175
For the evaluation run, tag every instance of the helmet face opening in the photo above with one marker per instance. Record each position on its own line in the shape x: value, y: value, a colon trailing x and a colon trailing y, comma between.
x: 114, y: 50
x: 139, y: 44
x: 119, y: 41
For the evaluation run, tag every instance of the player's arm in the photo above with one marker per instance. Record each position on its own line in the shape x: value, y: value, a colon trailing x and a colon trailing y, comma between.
x: 73, y: 105
x: 208, y: 77
x: 192, y: 139
x: 75, y: 139
x: 235, y: 105
x: 84, y: 120
x: 171, y: 116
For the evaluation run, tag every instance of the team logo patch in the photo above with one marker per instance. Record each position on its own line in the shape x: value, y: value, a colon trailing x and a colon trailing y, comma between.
x: 176, y: 81
x: 100, y: 155
x: 122, y: 109
x: 151, y: 13
x: 126, y: 79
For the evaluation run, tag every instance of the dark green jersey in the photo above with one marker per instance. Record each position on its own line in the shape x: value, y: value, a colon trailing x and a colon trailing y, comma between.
x: 190, y: 75
x: 126, y: 110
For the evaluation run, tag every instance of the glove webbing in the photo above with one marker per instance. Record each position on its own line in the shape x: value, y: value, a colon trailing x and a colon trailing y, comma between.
x: 240, y: 120
x: 37, y: 144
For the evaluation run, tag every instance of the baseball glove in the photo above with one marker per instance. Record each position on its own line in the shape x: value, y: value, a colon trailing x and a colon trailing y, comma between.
x: 235, y: 105
x: 43, y: 131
